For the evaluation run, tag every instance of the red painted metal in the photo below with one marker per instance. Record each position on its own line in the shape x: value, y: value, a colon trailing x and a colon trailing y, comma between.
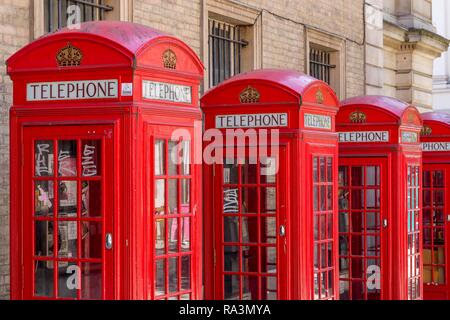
x: 436, y: 223
x: 303, y: 150
x: 394, y: 163
x: 128, y: 125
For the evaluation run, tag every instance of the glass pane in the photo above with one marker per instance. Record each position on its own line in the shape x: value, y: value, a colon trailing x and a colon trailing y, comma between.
x: 185, y: 273
x: 357, y: 248
x: 91, y: 161
x: 343, y: 245
x: 330, y: 169
x: 43, y: 279
x: 173, y: 158
x: 357, y: 199
x: 268, y: 200
x: 344, y: 289
x: 315, y: 169
x: 316, y: 198
x: 439, y: 276
x: 67, y: 198
x: 173, y: 196
x: 343, y: 199
x: 357, y: 221
x: 358, y: 268
x: 373, y: 246
x: 250, y: 259
x: 250, y: 287
x: 44, y: 158
x: 67, y: 239
x: 68, y: 280
x: 269, y: 259
x: 43, y: 198
x: 91, y: 281
x: 439, y: 219
x: 230, y: 173
x: 160, y: 196
x: 67, y: 158
x: 343, y: 222
x: 172, y: 224
x: 160, y: 237
x: 268, y: 170
x: 160, y: 277
x: 372, y: 199
x: 249, y: 230
x: 322, y: 169
x: 249, y: 173
x: 439, y: 197
x: 43, y: 238
x: 343, y: 176
x: 185, y: 196
x: 173, y: 274
x: 330, y: 198
x: 92, y: 240
x: 357, y: 176
x: 231, y: 287
x: 372, y: 176
x: 185, y: 158
x: 185, y: 234
x: 426, y: 179
x: 91, y: 199
x: 426, y: 197
x: 249, y: 200
x: 231, y: 259
x: 373, y: 221
x: 438, y: 179
x: 323, y: 198
x: 160, y: 158
x: 230, y: 200
x: 268, y: 230
x: 231, y: 229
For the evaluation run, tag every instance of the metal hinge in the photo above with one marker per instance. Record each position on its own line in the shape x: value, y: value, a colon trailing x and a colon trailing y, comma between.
x: 214, y: 170
x: 214, y: 257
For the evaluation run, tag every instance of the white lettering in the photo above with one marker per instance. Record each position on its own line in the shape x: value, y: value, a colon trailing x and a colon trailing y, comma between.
x: 166, y: 92
x: 72, y: 90
x: 364, y: 136
x: 264, y: 120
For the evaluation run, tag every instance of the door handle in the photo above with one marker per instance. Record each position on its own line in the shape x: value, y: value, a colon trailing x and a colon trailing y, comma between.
x: 282, y: 231
x: 108, y: 241
x: 448, y: 218
x: 385, y: 223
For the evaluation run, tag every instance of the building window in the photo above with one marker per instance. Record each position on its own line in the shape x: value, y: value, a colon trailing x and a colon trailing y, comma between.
x: 56, y: 12
x: 320, y: 64
x: 225, y: 51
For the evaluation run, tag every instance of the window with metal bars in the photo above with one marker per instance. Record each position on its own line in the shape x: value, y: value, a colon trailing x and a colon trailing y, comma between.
x: 56, y: 16
x: 320, y: 66
x: 225, y: 51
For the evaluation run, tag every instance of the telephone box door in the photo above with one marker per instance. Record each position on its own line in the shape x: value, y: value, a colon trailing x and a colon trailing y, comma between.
x: 435, y: 230
x: 362, y: 213
x: 68, y: 236
x: 250, y: 228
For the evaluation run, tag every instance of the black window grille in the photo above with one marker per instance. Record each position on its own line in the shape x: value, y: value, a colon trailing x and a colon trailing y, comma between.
x: 320, y: 64
x: 55, y: 12
x: 225, y: 51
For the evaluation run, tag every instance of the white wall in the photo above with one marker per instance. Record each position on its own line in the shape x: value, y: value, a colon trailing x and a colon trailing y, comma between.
x: 441, y: 71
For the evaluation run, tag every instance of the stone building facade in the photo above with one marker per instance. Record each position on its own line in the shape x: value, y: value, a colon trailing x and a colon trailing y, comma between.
x: 373, y: 46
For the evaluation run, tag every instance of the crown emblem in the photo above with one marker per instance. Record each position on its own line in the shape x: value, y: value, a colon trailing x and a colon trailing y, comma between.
x: 249, y: 95
x: 169, y: 59
x: 358, y: 117
x: 319, y: 96
x: 426, y: 131
x: 69, y: 56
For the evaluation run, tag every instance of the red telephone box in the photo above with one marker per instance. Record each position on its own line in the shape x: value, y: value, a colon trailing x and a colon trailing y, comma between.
x: 436, y: 178
x: 269, y: 206
x: 379, y: 199
x: 99, y: 207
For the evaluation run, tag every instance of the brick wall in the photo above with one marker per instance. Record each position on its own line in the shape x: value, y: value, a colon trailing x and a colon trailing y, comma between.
x: 14, y: 33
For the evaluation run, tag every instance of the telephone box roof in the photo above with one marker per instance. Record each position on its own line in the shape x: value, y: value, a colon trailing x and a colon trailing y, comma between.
x: 441, y: 117
x: 128, y: 38
x: 391, y: 105
x: 297, y: 83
